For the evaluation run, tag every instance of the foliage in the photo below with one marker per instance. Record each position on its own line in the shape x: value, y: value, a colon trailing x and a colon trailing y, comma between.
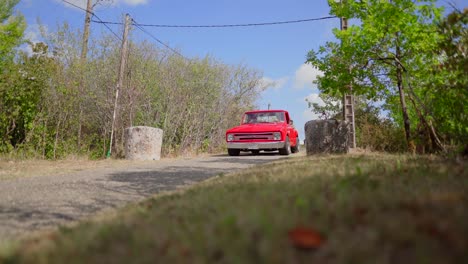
x: 447, y: 89
x: 383, y: 56
x: 11, y: 31
x: 24, y: 89
x: 15, y: 104
x: 56, y: 104
x: 375, y: 132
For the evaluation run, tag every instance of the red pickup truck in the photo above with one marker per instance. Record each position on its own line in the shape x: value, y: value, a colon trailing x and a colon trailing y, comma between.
x: 267, y: 130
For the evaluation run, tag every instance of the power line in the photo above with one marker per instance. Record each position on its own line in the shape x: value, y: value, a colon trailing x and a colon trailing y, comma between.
x: 222, y: 26
x: 156, y: 39
x: 94, y: 15
x: 140, y: 26
x: 115, y: 34
x: 77, y: 7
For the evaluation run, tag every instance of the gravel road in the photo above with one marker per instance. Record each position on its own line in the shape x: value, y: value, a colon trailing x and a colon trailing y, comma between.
x: 35, y: 203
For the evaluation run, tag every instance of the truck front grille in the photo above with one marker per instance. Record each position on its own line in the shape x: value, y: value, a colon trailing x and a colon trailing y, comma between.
x: 253, y: 136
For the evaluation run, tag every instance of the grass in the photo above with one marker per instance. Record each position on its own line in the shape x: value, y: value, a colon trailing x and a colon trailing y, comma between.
x: 367, y: 209
x: 13, y: 168
x: 16, y: 168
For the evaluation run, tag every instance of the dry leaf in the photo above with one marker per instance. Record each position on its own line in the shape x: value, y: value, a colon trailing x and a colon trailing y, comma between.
x: 305, y: 238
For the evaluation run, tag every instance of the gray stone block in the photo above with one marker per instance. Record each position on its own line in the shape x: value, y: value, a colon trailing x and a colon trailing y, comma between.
x: 326, y: 136
x: 143, y: 143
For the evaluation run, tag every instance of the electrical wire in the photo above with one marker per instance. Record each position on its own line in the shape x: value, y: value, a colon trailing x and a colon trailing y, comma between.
x: 94, y: 15
x: 222, y: 26
x: 156, y: 39
x: 140, y: 26
x: 77, y: 7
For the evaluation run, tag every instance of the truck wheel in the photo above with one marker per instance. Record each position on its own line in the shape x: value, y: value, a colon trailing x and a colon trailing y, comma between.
x: 295, y: 149
x: 286, y: 150
x: 233, y: 152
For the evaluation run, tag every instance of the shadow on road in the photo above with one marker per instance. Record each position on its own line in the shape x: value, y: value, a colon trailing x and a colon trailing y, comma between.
x: 249, y: 154
x: 16, y: 220
x: 246, y: 158
x: 154, y: 181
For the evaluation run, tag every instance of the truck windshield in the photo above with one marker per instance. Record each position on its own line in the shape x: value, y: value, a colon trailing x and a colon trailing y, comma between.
x: 263, y: 117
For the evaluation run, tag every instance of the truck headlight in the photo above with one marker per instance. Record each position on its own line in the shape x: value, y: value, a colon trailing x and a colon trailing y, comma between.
x: 277, y: 136
x: 230, y: 137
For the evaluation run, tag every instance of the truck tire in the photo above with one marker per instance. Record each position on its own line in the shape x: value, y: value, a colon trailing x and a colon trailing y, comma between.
x: 233, y: 152
x: 295, y: 149
x: 286, y: 150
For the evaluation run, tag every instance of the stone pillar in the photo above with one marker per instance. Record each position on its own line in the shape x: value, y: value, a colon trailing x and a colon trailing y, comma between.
x: 143, y: 143
x: 326, y: 136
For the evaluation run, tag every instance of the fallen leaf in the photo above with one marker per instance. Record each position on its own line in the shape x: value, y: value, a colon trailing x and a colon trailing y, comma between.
x: 305, y: 238
x: 360, y: 211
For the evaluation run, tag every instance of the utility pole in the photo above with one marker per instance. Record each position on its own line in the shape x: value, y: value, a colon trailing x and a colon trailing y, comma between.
x: 123, y: 62
x: 84, y: 51
x: 84, y: 47
x: 348, y: 100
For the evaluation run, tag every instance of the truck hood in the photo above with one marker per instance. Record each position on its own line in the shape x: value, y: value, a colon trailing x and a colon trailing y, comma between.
x: 259, y: 127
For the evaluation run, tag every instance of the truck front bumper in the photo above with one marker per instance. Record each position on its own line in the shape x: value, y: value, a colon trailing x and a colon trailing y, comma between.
x: 255, y: 145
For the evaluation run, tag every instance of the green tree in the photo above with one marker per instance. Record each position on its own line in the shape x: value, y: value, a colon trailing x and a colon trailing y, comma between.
x: 11, y: 30
x: 447, y: 90
x: 11, y: 35
x: 381, y: 55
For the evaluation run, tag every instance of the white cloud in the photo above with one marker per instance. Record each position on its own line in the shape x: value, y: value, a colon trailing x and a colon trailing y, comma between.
x: 309, y: 115
x: 135, y: 2
x: 73, y: 3
x: 82, y: 3
x: 312, y: 98
x: 33, y: 32
x: 274, y: 83
x: 305, y: 76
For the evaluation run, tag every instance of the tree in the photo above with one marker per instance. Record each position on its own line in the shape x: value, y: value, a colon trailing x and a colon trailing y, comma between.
x: 11, y: 36
x: 382, y: 54
x: 449, y: 80
x: 11, y: 30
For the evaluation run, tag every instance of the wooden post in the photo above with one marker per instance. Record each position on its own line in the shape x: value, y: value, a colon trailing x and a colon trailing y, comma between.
x: 84, y: 47
x: 123, y: 61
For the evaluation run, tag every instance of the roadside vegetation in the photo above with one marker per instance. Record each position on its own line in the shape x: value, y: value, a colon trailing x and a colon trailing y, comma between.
x: 406, y: 59
x: 54, y: 104
x: 372, y: 208
x: 408, y: 56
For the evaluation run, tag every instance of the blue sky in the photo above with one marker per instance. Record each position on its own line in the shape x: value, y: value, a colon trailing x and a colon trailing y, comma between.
x: 277, y: 51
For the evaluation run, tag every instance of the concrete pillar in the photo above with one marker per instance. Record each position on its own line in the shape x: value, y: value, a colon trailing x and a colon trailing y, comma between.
x: 143, y: 143
x: 326, y: 136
